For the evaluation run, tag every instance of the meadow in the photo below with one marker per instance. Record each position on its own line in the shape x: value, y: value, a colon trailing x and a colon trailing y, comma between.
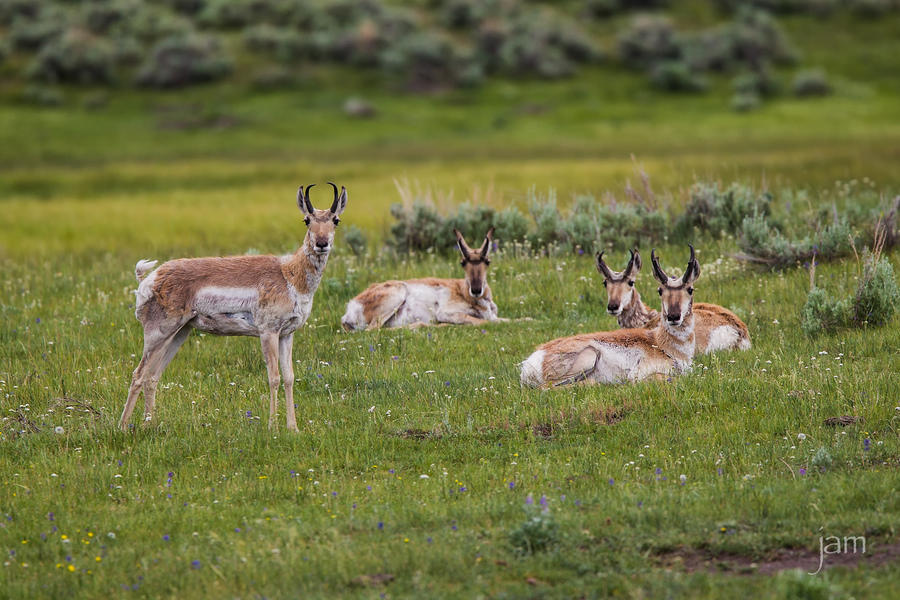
x: 422, y: 467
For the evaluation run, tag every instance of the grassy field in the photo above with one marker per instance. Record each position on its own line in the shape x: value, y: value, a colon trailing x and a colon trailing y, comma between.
x: 421, y: 461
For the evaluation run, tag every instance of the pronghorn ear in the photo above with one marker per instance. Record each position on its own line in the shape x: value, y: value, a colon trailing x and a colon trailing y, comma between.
x: 340, y: 201
x: 692, y: 272
x: 657, y: 270
x: 303, y: 202
x: 462, y: 245
x: 486, y: 246
x: 601, y: 266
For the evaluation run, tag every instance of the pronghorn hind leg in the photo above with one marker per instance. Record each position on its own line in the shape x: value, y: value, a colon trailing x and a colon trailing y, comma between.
x: 269, y: 342
x: 155, y: 370
x: 154, y: 339
x: 285, y: 359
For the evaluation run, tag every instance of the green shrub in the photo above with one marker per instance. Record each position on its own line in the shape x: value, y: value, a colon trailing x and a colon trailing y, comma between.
x: 877, y: 295
x: 764, y: 244
x: 281, y: 42
x: 549, y: 225
x: 539, y: 532
x: 676, y: 76
x: 811, y: 82
x: 745, y: 102
x: 721, y: 211
x: 472, y: 221
x: 272, y: 78
x: 75, y: 57
x: 648, y: 39
x: 424, y: 61
x: 418, y: 227
x: 151, y: 23
x: 42, y: 96
x: 180, y: 61
x: 511, y: 226
x: 10, y: 9
x: 759, y: 83
x: 100, y: 16
x: 357, y: 240
x: 757, y: 39
x: 823, y: 314
x: 30, y: 33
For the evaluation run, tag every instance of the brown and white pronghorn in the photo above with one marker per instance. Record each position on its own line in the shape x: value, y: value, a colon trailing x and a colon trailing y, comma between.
x: 625, y: 355
x: 715, y: 327
x: 268, y: 297
x: 425, y: 301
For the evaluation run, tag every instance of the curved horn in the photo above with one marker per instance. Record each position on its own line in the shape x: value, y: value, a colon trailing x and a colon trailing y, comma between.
x: 693, y: 267
x: 334, y: 205
x: 657, y: 270
x: 486, y: 246
x: 601, y: 266
x: 462, y: 245
x: 630, y: 264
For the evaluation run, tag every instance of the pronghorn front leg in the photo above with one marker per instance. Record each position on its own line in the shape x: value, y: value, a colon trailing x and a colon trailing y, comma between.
x: 285, y: 345
x: 269, y: 342
x: 459, y: 318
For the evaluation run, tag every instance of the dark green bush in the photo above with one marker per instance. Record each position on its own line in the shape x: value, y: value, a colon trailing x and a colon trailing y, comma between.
x: 281, y: 42
x: 648, y: 39
x: 424, y: 61
x: 180, y: 61
x: 102, y: 15
x: 151, y: 23
x: 42, y: 96
x: 823, y: 314
x: 10, y: 9
x: 30, y: 33
x: 811, y: 82
x: 759, y: 83
x: 418, y: 227
x: 538, y: 533
x: 877, y: 295
x: 75, y: 57
x: 721, y: 211
x: 676, y: 76
x: 764, y: 244
x: 511, y: 226
x: 357, y: 240
x: 757, y: 40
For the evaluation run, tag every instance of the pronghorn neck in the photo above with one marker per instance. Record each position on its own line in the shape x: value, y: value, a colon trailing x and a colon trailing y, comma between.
x: 636, y: 314
x: 303, y: 269
x: 677, y: 342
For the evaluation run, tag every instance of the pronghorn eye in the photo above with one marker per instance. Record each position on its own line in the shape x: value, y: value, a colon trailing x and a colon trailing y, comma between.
x: 659, y: 290
x: 486, y: 262
x: 306, y: 220
x: 336, y: 221
x: 630, y: 284
x: 604, y: 283
x: 462, y: 263
x: 691, y: 290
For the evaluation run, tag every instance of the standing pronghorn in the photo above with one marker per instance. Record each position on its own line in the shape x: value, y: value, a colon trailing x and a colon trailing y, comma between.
x: 716, y: 328
x: 425, y: 301
x: 268, y: 297
x: 626, y: 354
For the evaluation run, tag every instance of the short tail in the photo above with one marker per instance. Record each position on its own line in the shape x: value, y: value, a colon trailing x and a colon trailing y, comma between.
x: 532, y: 369
x: 142, y: 268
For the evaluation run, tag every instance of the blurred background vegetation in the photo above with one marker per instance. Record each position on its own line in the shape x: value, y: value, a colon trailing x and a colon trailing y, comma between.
x: 181, y: 107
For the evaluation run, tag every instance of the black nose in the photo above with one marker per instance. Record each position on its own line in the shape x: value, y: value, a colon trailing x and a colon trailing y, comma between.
x: 321, y: 244
x: 673, y: 318
x: 476, y: 291
x: 612, y: 307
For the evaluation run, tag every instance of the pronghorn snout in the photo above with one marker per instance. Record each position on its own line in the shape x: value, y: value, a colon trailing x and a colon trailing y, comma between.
x: 322, y: 245
x: 476, y: 291
x: 674, y: 318
x: 613, y: 309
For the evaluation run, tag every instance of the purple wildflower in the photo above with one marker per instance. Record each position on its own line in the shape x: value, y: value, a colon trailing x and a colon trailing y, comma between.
x: 50, y: 516
x: 529, y: 499
x: 195, y: 564
x: 166, y: 537
x: 543, y: 501
x: 867, y: 444
x: 802, y: 471
x: 380, y: 525
x: 512, y: 485
x: 612, y: 481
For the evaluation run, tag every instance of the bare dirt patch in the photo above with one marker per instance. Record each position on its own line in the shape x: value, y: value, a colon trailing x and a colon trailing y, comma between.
x: 693, y: 560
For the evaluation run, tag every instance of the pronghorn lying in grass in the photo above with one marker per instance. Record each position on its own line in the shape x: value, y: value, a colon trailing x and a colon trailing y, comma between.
x: 716, y: 328
x: 268, y: 297
x: 626, y: 354
x: 425, y: 301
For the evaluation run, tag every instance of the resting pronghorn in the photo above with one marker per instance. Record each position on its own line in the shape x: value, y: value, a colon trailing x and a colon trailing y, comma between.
x: 426, y: 301
x: 268, y: 297
x: 716, y: 328
x: 626, y: 354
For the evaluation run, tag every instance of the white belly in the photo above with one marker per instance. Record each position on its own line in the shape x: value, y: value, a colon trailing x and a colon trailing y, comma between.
x: 423, y: 302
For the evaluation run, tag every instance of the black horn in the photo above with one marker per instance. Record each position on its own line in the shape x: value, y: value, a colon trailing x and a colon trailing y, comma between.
x: 334, y: 205
x: 631, y: 264
x: 601, y: 266
x: 657, y: 270
x: 693, y: 267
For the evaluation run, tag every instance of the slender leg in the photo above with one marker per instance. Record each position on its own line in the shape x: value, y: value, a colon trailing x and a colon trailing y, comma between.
x: 285, y: 359
x: 153, y: 340
x: 269, y: 343
x: 162, y: 359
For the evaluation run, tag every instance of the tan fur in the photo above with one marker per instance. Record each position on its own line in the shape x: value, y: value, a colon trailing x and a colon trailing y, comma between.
x: 268, y: 297
x: 636, y: 313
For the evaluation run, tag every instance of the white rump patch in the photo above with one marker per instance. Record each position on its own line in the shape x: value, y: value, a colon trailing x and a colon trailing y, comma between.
x: 725, y: 337
x: 141, y: 268
x: 144, y: 292
x: 533, y: 369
